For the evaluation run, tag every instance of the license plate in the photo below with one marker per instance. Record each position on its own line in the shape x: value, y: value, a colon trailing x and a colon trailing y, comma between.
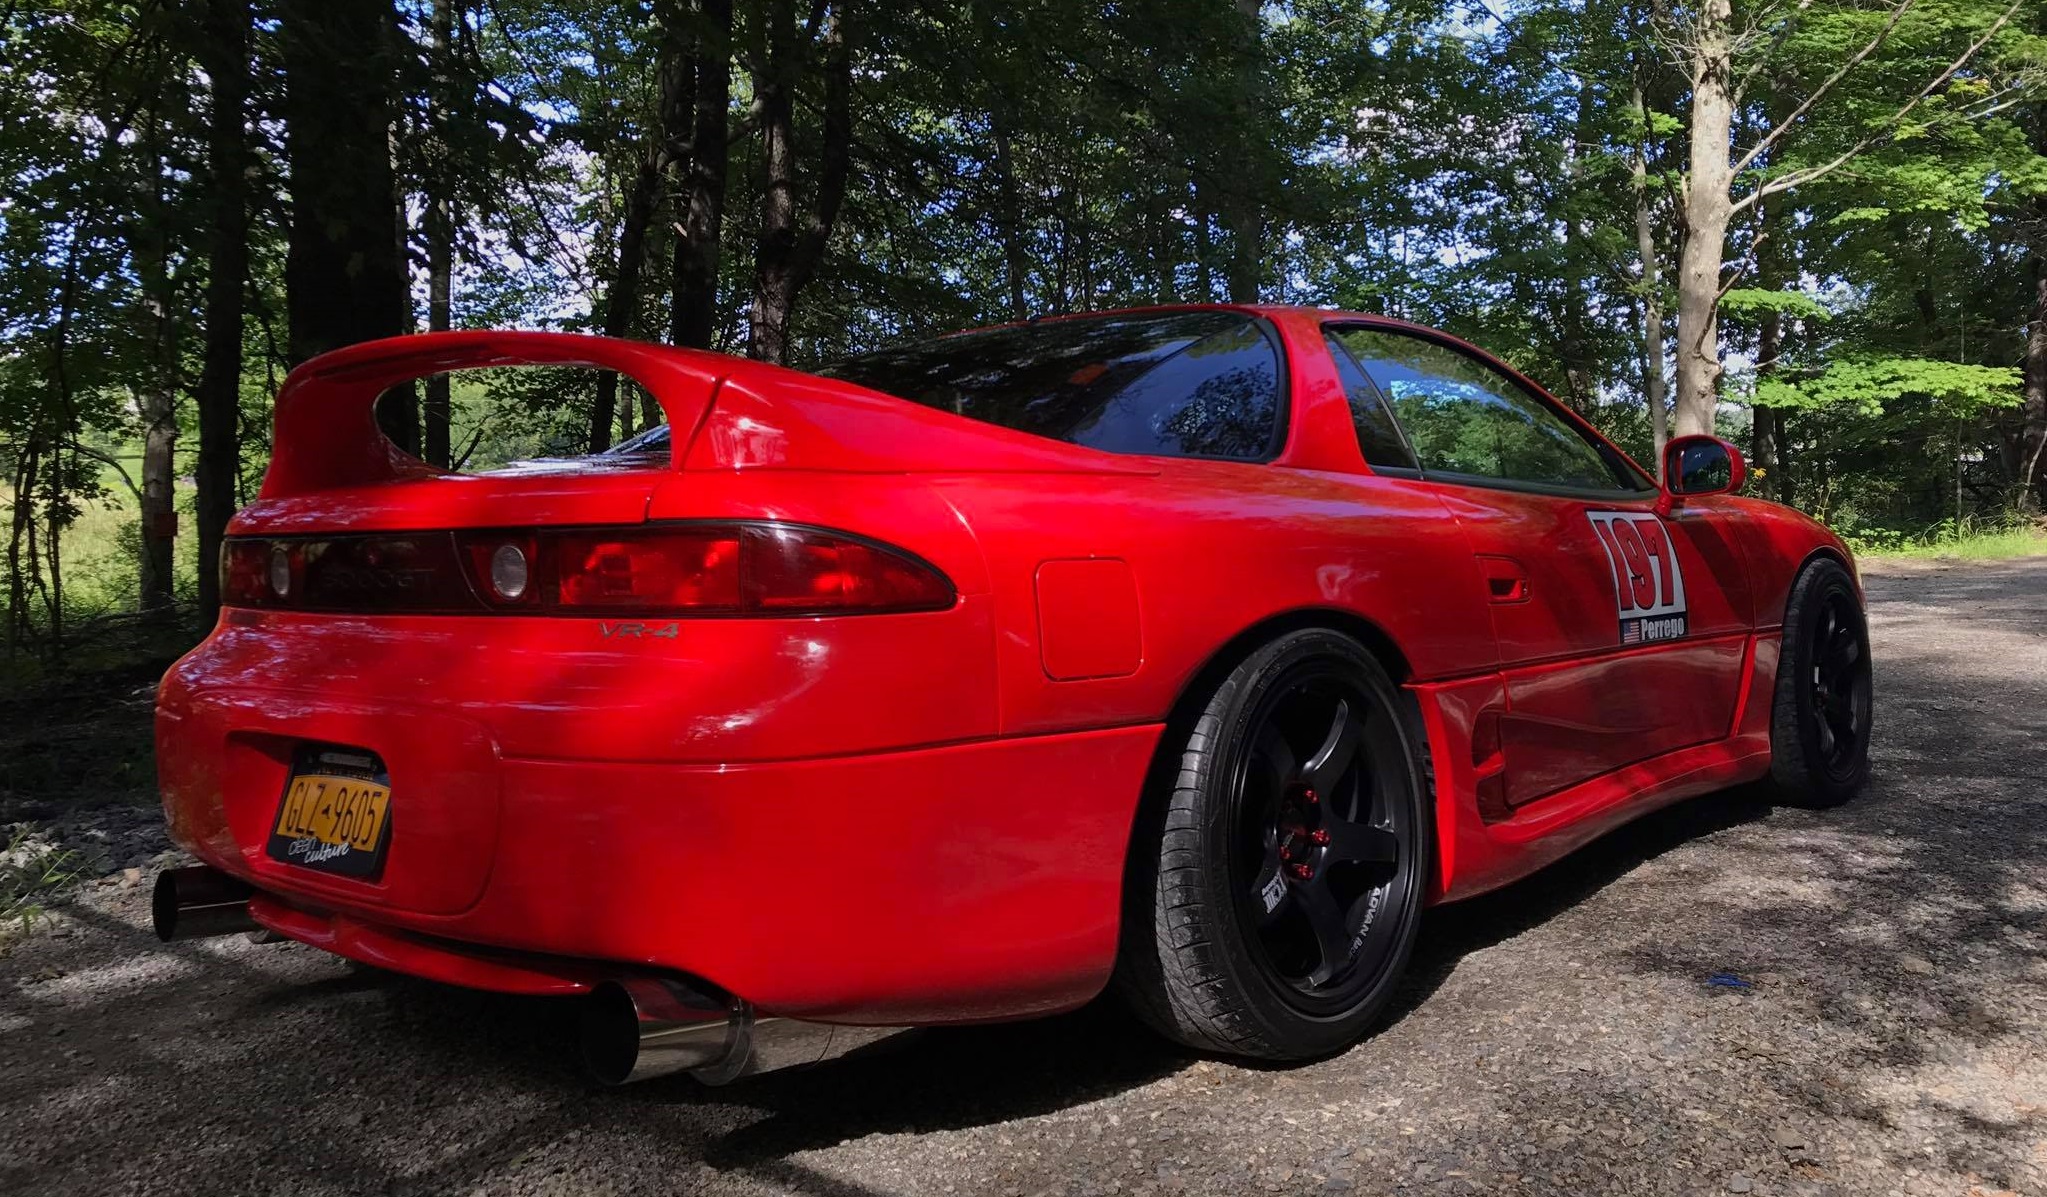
x: 336, y: 814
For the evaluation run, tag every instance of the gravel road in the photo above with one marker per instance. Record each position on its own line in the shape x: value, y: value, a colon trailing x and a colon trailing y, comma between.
x: 1559, y: 1037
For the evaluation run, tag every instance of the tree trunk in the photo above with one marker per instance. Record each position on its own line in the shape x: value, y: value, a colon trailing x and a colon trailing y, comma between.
x: 1576, y: 349
x: 622, y: 304
x: 159, y: 509
x: 643, y: 194
x: 225, y: 57
x: 158, y: 398
x: 788, y: 250
x: 1653, y: 384
x: 1242, y: 207
x: 1009, y: 219
x: 440, y: 241
x: 1708, y: 206
x: 1767, y: 424
x: 159, y: 456
x: 344, y: 277
x: 702, y: 203
x: 2032, y: 474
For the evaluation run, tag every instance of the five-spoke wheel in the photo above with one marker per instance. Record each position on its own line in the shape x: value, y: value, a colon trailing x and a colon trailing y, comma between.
x: 1819, y: 735
x: 1290, y: 855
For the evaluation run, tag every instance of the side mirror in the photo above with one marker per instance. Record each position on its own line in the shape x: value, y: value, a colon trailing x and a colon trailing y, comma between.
x: 1702, y: 465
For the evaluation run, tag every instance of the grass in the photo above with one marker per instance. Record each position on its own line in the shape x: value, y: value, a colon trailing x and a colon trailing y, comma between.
x: 1945, y: 542
x: 32, y: 874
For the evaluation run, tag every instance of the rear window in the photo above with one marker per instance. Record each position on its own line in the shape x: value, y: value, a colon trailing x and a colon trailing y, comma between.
x: 1177, y: 384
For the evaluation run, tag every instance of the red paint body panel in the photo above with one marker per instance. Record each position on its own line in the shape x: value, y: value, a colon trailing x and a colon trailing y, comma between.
x: 1089, y: 625
x: 957, y: 786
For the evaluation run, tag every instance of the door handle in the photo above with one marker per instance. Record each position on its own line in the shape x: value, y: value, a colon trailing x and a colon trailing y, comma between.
x: 1505, y: 580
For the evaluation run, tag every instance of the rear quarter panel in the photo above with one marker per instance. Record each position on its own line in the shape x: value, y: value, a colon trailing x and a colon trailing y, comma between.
x: 1214, y: 549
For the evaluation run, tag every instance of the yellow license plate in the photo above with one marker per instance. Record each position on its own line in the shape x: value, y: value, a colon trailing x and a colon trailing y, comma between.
x: 332, y: 822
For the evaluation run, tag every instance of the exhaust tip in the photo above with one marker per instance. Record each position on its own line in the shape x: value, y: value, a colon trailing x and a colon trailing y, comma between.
x: 163, y: 906
x: 634, y: 1028
x: 641, y: 1027
x: 610, y: 1034
x: 197, y: 902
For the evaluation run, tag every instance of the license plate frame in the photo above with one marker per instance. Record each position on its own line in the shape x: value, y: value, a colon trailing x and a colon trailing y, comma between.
x: 334, y: 815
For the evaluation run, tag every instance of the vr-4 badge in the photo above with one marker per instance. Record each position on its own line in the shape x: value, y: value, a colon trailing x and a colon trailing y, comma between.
x: 1648, y: 583
x: 637, y: 631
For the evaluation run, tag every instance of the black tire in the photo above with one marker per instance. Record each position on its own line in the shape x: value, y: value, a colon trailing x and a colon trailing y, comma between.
x: 1820, y: 717
x: 1210, y: 956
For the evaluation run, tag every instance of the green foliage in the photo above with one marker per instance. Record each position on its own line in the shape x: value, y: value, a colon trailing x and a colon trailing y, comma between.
x: 1869, y: 386
x: 33, y: 873
x: 1750, y: 302
x: 1950, y: 539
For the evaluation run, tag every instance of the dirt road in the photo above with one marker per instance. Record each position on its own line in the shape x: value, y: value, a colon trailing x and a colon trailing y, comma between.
x: 1559, y: 1037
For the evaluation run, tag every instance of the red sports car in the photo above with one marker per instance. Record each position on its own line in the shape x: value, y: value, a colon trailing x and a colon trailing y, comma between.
x: 1193, y: 650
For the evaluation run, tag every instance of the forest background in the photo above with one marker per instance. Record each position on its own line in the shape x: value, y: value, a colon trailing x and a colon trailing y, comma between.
x: 1816, y: 226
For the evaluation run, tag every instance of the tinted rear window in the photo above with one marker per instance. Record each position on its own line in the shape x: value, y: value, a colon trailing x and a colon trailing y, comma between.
x: 1178, y: 384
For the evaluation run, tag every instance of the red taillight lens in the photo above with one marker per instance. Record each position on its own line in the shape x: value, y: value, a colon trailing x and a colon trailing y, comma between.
x: 736, y: 569
x: 685, y: 571
x: 245, y: 573
x: 739, y: 568
x: 797, y: 569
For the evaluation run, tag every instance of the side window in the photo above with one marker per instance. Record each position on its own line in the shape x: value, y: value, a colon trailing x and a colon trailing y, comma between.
x: 1464, y: 417
x: 1218, y: 397
x: 1378, y: 436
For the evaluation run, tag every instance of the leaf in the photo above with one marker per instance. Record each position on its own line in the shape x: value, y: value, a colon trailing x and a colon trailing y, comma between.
x: 1868, y: 385
x: 1747, y: 302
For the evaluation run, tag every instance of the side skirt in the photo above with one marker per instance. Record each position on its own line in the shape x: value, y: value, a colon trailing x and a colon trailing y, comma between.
x: 1478, y: 850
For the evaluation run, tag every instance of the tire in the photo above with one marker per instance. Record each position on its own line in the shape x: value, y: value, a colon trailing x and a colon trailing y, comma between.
x: 1820, y: 713
x: 1229, y: 944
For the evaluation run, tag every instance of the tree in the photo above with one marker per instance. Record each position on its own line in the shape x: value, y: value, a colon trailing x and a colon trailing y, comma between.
x: 345, y: 276
x: 672, y: 111
x: 792, y: 232
x: 705, y: 159
x: 440, y: 221
x: 223, y: 41
x: 1716, y: 169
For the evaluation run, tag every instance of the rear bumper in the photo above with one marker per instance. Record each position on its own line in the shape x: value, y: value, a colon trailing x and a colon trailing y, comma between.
x: 966, y: 882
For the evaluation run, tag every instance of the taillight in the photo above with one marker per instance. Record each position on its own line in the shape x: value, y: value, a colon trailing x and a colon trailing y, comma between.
x: 693, y: 569
x: 686, y: 571
x: 790, y: 569
x: 245, y: 573
x: 706, y: 569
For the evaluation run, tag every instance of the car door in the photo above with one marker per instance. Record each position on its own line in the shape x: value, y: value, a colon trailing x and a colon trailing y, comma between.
x: 1621, y: 630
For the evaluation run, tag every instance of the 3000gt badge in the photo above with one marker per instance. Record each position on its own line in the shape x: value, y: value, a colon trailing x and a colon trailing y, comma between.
x: 1648, y: 583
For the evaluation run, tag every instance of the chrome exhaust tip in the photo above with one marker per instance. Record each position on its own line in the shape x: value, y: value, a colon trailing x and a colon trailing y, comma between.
x: 641, y: 1027
x: 199, y: 902
x: 645, y: 1027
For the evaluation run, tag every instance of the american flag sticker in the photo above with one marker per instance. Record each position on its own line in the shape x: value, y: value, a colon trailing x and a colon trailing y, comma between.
x: 1648, y: 582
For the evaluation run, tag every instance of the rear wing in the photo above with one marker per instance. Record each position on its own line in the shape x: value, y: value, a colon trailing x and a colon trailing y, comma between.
x: 325, y: 434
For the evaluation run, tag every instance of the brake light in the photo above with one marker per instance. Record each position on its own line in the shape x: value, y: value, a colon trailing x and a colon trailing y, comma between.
x: 245, y: 573
x: 711, y: 569
x: 694, y: 569
x: 654, y: 572
x: 798, y: 570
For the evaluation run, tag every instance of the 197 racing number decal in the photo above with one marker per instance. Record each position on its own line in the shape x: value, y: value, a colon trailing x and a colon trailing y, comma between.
x: 1648, y: 584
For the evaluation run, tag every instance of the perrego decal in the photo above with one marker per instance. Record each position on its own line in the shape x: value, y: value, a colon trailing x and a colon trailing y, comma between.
x: 1648, y: 583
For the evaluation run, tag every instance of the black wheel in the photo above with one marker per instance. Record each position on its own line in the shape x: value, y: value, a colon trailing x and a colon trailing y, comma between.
x: 1276, y: 891
x: 1819, y: 727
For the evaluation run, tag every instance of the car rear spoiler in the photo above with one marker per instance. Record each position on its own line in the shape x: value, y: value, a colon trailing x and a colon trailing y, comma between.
x: 326, y: 436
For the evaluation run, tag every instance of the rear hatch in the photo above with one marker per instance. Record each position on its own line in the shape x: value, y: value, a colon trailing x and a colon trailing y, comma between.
x: 335, y: 649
